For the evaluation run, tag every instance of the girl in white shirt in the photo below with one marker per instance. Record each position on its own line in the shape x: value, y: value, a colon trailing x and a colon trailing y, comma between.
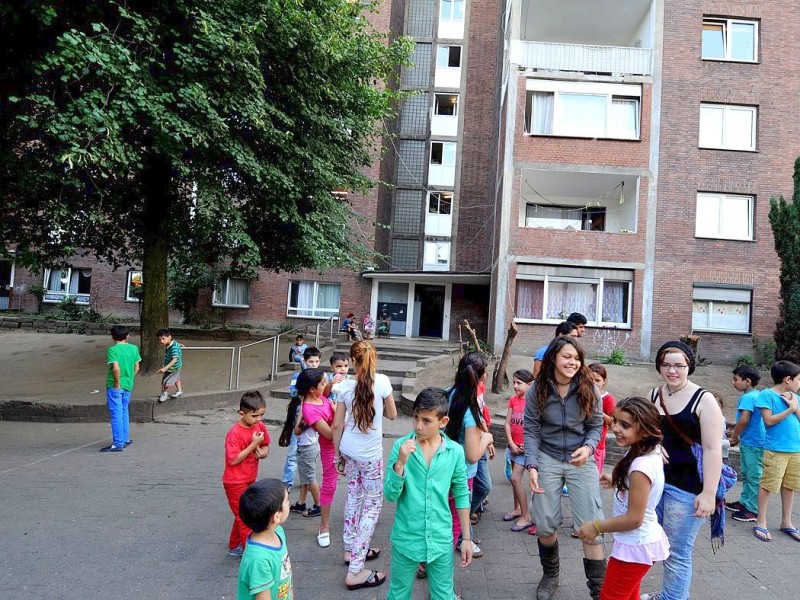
x: 638, y: 481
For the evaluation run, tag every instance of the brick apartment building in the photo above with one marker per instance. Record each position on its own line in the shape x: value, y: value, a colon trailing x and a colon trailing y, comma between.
x: 613, y: 157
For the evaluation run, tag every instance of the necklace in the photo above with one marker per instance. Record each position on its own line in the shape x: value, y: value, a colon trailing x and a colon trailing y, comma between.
x: 671, y: 393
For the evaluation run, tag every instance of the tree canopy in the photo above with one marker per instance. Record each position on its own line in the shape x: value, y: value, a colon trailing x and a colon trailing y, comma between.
x: 214, y: 130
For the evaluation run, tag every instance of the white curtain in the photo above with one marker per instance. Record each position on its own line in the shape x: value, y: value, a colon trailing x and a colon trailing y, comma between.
x: 327, y: 299
x: 583, y: 115
x: 542, y: 108
x: 624, y: 118
x: 305, y: 297
x: 530, y: 298
x: 58, y: 280
x: 238, y: 292
x: 614, y: 301
x: 564, y: 298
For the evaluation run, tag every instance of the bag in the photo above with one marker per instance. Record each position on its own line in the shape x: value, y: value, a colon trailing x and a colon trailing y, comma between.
x: 727, y: 477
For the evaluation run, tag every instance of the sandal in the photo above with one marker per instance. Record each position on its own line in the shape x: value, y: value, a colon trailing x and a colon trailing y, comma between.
x: 298, y: 508
x: 373, y: 580
x: 474, y: 518
x: 314, y: 511
x: 372, y: 554
x: 518, y: 528
x: 792, y: 533
x: 762, y: 533
x: 532, y: 530
x: 422, y: 572
x: 510, y: 517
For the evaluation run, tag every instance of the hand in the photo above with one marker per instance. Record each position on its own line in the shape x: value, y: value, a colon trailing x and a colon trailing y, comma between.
x: 258, y: 437
x: 580, y: 456
x: 587, y: 532
x: 485, y: 435
x: 790, y: 400
x: 490, y: 449
x: 466, y: 553
x: 338, y: 378
x: 704, y: 504
x: 664, y: 455
x: 533, y: 481
x: 162, y: 370
x: 406, y: 449
x: 605, y: 481
x: 340, y: 465
x: 734, y: 441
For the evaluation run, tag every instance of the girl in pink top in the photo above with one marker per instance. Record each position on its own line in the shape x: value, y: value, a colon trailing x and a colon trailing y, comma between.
x: 639, y: 540
x: 515, y: 452
x: 609, y: 403
x: 318, y: 413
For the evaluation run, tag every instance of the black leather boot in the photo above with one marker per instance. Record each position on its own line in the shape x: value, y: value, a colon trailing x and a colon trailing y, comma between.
x: 548, y: 556
x: 595, y: 574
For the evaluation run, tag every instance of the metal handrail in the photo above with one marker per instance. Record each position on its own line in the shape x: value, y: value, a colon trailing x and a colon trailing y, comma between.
x: 231, y: 348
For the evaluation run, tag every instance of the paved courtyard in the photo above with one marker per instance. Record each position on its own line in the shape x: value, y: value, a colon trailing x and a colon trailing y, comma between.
x: 152, y: 523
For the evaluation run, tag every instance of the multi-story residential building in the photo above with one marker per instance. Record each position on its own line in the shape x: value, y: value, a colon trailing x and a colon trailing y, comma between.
x: 613, y: 158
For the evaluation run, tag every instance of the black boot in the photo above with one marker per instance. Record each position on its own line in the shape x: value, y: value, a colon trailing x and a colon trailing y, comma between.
x: 595, y: 574
x: 548, y: 556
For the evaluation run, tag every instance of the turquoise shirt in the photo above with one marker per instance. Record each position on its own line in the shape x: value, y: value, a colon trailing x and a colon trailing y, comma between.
x: 753, y: 434
x: 423, y: 526
x: 783, y: 436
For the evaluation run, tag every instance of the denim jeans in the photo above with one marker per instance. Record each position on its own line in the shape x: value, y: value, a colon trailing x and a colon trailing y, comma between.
x: 118, y: 401
x: 290, y: 466
x: 482, y: 485
x: 676, y: 514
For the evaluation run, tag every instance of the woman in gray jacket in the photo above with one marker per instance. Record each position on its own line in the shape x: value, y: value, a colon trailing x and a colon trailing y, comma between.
x: 563, y: 423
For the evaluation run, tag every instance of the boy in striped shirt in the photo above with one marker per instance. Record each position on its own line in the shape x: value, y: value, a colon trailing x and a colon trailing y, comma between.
x: 173, y: 361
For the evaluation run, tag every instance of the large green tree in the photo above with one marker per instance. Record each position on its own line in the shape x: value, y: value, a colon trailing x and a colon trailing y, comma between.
x: 784, y: 217
x: 134, y: 131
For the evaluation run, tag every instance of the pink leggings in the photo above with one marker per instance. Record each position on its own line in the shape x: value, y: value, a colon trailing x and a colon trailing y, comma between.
x: 329, y: 474
x: 454, y: 512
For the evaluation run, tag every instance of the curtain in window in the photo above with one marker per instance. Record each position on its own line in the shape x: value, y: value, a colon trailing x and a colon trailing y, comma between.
x: 305, y: 297
x: 542, y: 108
x: 624, y: 118
x: 58, y: 280
x: 238, y: 292
x: 564, y: 298
x: 583, y: 115
x: 530, y: 299
x: 327, y: 298
x: 614, y: 293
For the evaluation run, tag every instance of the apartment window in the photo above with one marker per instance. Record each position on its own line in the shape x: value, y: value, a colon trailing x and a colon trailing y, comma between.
x: 730, y: 39
x: 721, y: 309
x: 436, y: 257
x: 448, y: 56
x: 566, y: 217
x: 592, y: 110
x: 313, y: 299
x: 445, y: 105
x: 232, y: 292
x: 443, y: 153
x: 67, y: 282
x: 550, y: 294
x: 728, y: 127
x: 439, y: 220
x: 724, y: 216
x: 451, y: 10
x: 134, y: 288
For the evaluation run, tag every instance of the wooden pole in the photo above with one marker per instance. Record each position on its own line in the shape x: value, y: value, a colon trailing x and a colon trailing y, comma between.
x: 499, y: 378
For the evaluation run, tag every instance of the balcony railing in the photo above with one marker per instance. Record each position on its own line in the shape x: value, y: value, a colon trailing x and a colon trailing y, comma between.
x: 582, y: 58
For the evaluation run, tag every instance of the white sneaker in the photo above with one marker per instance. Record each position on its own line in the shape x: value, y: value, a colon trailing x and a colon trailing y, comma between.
x: 652, y: 596
x: 163, y: 397
x: 177, y: 394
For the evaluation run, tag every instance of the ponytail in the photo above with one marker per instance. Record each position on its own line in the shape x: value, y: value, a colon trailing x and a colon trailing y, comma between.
x: 365, y: 361
x: 464, y: 395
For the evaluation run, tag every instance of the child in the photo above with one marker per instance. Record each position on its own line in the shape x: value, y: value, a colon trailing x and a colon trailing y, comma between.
x: 482, y: 484
x: 609, y: 403
x: 424, y: 468
x: 297, y: 350
x: 726, y: 443
x: 318, y: 413
x: 340, y: 365
x: 779, y: 409
x: 368, y: 327
x: 562, y: 329
x: 247, y: 442
x: 384, y: 326
x: 638, y: 481
x: 749, y: 433
x: 311, y: 357
x: 265, y: 570
x: 515, y: 452
x: 307, y: 453
x: 173, y: 361
x: 123, y: 364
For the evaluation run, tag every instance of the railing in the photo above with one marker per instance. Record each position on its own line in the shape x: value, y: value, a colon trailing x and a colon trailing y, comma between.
x: 232, y: 351
x: 583, y: 58
x: 276, y: 345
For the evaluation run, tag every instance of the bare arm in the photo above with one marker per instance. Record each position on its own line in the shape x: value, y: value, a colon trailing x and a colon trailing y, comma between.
x: 389, y: 407
x: 115, y: 371
x: 710, y: 416
x: 537, y: 365
x: 475, y: 443
x: 136, y: 368
x: 744, y: 420
x: 771, y: 418
x: 337, y: 429
x: 507, y: 426
x: 637, y: 503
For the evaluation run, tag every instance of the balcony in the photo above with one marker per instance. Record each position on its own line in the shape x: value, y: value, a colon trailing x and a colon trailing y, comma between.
x: 582, y: 58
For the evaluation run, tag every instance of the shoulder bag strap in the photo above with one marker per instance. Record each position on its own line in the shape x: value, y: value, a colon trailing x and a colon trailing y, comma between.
x: 683, y: 436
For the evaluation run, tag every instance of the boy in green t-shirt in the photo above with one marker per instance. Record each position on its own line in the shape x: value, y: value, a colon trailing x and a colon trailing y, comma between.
x: 123, y: 363
x: 265, y: 571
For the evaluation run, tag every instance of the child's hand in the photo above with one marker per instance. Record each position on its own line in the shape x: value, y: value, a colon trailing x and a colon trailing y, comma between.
x: 406, y: 449
x: 258, y: 437
x: 340, y: 465
x: 605, y: 481
x: 338, y: 378
x: 163, y: 370
x: 790, y: 399
x: 490, y: 449
x: 587, y: 532
x: 664, y: 455
x: 466, y: 553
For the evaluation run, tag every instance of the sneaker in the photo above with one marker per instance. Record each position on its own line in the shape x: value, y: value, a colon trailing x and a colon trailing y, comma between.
x: 476, y: 551
x: 177, y: 394
x: 236, y: 552
x: 298, y: 508
x: 745, y: 516
x: 564, y: 491
x: 128, y: 443
x: 163, y: 397
x: 112, y: 448
x: 653, y: 596
x: 735, y: 506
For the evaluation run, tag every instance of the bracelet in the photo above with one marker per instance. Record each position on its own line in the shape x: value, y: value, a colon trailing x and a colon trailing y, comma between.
x: 597, y: 527
x: 466, y: 539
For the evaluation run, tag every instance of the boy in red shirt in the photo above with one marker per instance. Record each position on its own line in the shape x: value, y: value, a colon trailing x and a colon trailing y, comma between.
x: 245, y: 444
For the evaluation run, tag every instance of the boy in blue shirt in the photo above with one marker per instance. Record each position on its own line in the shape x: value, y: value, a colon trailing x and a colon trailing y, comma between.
x: 424, y: 467
x: 749, y: 433
x: 779, y: 409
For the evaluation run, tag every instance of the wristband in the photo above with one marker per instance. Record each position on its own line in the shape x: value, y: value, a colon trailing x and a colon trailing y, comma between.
x: 529, y: 467
x: 597, y: 527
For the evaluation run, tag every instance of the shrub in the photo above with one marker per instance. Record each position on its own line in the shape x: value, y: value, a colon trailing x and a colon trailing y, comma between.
x: 616, y: 357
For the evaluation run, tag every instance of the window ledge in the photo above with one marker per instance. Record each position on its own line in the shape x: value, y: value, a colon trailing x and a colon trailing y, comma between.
x: 723, y: 331
x: 722, y: 239
x: 753, y: 151
x: 317, y: 318
x: 133, y: 301
x: 217, y: 305
x: 731, y: 60
x: 583, y: 137
x: 578, y: 230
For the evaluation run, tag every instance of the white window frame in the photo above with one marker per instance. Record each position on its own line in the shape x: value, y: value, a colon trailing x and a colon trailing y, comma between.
x: 448, y: 10
x: 727, y: 29
x: 719, y: 231
x: 56, y: 296
x: 726, y: 111
x: 292, y: 311
x: 623, y: 277
x: 438, y: 248
x: 723, y: 295
x: 223, y: 302
x: 129, y: 283
x: 611, y: 91
x: 438, y: 223
x: 440, y: 53
x: 453, y: 146
x: 436, y: 104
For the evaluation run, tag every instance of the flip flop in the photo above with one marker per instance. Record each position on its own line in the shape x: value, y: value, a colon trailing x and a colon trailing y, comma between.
x: 372, y: 580
x: 792, y: 533
x: 762, y: 533
x: 574, y: 534
x: 324, y: 539
x: 510, y: 517
x: 519, y: 528
x: 372, y: 554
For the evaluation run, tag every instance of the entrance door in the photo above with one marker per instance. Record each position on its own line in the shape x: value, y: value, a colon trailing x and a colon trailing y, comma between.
x: 429, y: 300
x: 5, y: 284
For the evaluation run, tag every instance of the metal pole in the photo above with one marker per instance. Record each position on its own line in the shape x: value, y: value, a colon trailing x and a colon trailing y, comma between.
x: 230, y: 379
x: 273, y: 371
x: 316, y: 337
x: 238, y: 366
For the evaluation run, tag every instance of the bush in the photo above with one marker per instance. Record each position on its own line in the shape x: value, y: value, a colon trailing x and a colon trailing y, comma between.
x: 746, y: 360
x: 616, y: 357
x: 765, y: 349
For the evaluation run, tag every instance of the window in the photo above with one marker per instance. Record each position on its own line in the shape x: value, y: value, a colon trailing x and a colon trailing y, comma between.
x: 592, y: 110
x: 566, y: 217
x: 721, y: 309
x: 313, y: 299
x: 437, y: 256
x: 232, y: 292
x: 445, y: 105
x: 448, y: 56
x: 550, y: 294
x: 67, y: 282
x: 728, y: 126
x: 451, y: 10
x: 134, y: 287
x: 730, y: 39
x: 443, y: 153
x: 438, y: 220
x: 724, y: 216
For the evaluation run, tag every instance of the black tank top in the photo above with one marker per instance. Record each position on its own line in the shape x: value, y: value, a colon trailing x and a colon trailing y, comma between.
x: 681, y: 470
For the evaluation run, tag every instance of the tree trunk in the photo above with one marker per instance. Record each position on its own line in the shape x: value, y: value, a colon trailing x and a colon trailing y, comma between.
x: 499, y: 378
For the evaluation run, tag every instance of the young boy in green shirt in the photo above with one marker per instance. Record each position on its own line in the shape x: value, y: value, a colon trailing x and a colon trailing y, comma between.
x: 123, y: 364
x: 424, y: 467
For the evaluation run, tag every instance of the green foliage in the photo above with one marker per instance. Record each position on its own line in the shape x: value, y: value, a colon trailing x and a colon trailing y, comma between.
x: 615, y: 357
x: 69, y: 310
x: 746, y: 360
x: 765, y: 349
x: 284, y: 327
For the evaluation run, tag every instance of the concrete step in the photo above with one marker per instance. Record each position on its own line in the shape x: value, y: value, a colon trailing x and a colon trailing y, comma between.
x: 385, y: 351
